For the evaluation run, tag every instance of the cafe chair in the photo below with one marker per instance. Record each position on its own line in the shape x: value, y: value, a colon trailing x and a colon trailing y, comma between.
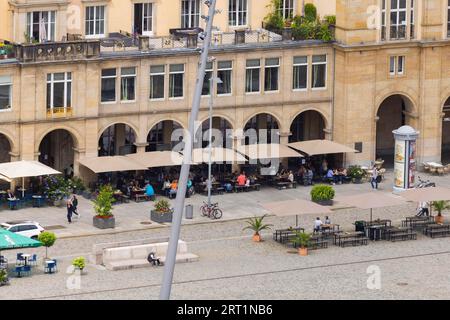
x: 33, y: 260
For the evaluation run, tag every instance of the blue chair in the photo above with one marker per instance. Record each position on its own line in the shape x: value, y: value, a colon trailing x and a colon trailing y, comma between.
x: 20, y: 260
x: 50, y: 267
x: 27, y: 270
x: 56, y: 264
x: 19, y: 271
x: 33, y: 260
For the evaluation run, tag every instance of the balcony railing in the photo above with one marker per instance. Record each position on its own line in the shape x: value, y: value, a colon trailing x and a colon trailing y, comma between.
x: 59, y: 112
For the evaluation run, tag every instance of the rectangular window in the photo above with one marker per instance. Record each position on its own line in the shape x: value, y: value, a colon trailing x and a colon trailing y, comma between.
x: 400, y: 65
x: 128, y: 84
x: 398, y: 19
x: 286, y: 9
x: 252, y: 77
x: 59, y: 91
x: 392, y: 63
x: 412, y: 19
x: 176, y: 80
x: 5, y: 93
x: 157, y: 75
x: 41, y: 26
x: 383, y: 19
x: 190, y: 13
x: 109, y: 85
x: 448, y: 19
x: 224, y: 73
x: 206, y: 90
x: 143, y: 18
x: 300, y: 73
x: 319, y: 71
x: 95, y: 21
x: 237, y: 13
x: 271, y: 74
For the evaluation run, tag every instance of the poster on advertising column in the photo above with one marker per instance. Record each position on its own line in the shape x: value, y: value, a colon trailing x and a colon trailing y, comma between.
x: 400, y: 164
x: 412, y: 164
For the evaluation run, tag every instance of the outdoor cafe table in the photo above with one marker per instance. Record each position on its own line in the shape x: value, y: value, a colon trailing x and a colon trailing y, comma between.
x: 345, y: 235
x: 49, y: 269
x: 13, y: 203
x: 285, y: 233
x: 26, y: 256
x: 376, y: 223
x: 415, y: 221
x: 37, y: 201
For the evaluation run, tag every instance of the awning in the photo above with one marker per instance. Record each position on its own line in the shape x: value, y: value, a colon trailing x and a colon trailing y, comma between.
x: 25, y: 169
x: 158, y: 158
x: 218, y: 155
x: 10, y: 240
x: 268, y: 151
x: 427, y: 194
x: 318, y: 147
x: 112, y: 164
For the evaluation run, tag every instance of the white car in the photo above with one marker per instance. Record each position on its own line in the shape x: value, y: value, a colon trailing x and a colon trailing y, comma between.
x: 28, y: 229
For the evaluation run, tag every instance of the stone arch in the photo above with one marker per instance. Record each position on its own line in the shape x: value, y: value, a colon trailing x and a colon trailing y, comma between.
x: 221, y: 123
x: 110, y: 124
x: 445, y: 131
x: 257, y: 124
x: 6, y: 147
x: 76, y: 136
x: 118, y: 138
x: 309, y: 124
x: 159, y: 136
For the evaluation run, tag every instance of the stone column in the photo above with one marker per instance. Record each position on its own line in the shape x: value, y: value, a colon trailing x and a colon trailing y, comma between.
x: 119, y: 134
x: 284, y: 139
x: 141, y: 146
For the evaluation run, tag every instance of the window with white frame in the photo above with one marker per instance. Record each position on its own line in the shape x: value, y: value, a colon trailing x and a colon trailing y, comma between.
x: 109, y: 77
x: 396, y: 65
x: 143, y: 18
x: 252, y: 76
x: 95, y: 21
x: 176, y: 80
x: 286, y: 9
x: 237, y: 12
x: 224, y: 73
x: 398, y: 18
x: 300, y: 73
x: 190, y: 13
x: 319, y: 71
x: 59, y: 91
x: 206, y: 90
x: 41, y: 26
x: 448, y: 18
x: 5, y: 93
x: 271, y: 74
x: 128, y: 84
x: 383, y: 19
x: 412, y: 20
x: 157, y: 75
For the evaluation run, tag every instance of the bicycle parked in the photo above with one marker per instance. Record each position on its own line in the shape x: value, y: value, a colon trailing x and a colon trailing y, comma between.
x: 212, y: 212
x: 424, y: 183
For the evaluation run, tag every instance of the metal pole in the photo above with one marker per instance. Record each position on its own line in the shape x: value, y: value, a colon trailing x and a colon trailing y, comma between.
x: 211, y: 84
x: 185, y: 168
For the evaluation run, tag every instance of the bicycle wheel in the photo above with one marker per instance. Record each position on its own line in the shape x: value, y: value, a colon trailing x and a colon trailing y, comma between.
x: 217, y: 214
x: 204, y: 211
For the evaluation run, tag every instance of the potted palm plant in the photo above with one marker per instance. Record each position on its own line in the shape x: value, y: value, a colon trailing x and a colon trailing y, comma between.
x: 302, y: 240
x: 256, y: 225
x: 440, y: 206
x: 103, y: 207
x: 162, y: 212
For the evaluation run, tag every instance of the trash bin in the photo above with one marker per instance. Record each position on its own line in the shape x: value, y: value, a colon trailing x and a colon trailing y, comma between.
x: 359, y: 226
x: 375, y: 233
x: 189, y: 211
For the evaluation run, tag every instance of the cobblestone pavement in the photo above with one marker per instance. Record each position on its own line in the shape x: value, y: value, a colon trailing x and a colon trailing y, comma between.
x: 135, y: 216
x: 231, y: 266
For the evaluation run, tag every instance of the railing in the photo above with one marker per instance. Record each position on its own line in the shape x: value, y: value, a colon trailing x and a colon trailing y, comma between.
x: 59, y: 112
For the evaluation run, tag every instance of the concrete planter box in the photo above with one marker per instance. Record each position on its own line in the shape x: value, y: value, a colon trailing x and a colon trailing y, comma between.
x: 104, y: 223
x: 324, y: 202
x: 161, y: 218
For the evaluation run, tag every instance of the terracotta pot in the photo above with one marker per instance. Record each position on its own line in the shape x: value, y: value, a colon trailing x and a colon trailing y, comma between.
x: 303, y: 252
x: 439, y: 219
x: 257, y: 237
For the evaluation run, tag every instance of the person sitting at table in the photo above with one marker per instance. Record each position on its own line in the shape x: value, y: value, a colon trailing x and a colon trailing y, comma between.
x: 329, y: 177
x: 253, y: 179
x: 327, y: 220
x: 173, y: 188
x: 149, y: 191
x: 166, y: 186
x: 242, y: 179
x: 10, y: 195
x: 317, y: 225
x: 308, y: 177
x: 247, y: 182
x: 291, y: 177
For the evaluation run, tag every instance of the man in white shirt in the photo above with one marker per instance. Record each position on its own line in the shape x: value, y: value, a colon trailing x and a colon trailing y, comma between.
x: 317, y: 225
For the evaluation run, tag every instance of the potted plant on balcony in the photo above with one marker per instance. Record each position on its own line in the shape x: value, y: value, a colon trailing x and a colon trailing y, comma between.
x: 440, y: 206
x: 162, y: 212
x: 256, y: 225
x: 5, y: 50
x: 302, y: 240
x: 356, y: 173
x: 322, y: 194
x: 103, y: 207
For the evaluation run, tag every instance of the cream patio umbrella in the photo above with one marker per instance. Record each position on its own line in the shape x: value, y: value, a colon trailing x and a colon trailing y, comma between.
x: 25, y: 169
x: 430, y: 194
x: 218, y: 155
x: 372, y: 200
x: 112, y: 164
x: 268, y: 151
x: 157, y: 158
x: 318, y: 147
x: 295, y: 208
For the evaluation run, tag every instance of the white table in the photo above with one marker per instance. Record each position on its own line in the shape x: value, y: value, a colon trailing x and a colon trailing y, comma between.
x: 26, y: 256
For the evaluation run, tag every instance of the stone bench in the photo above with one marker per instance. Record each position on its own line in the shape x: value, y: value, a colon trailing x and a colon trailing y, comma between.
x: 129, y: 257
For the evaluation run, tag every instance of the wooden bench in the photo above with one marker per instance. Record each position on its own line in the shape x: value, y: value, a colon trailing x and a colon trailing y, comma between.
x: 439, y: 233
x: 403, y: 236
x: 354, y: 241
x: 286, y: 185
x: 239, y: 188
x: 319, y: 244
x: 255, y: 187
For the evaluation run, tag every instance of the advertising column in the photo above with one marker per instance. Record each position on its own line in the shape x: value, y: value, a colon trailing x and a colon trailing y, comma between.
x: 405, y: 158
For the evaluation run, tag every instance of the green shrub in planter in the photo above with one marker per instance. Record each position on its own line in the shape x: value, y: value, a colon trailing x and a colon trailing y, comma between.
x: 162, y: 212
x: 79, y: 263
x: 356, y: 173
x: 322, y: 194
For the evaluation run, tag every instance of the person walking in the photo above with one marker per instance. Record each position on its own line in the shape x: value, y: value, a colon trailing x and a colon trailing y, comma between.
x: 75, y: 206
x: 69, y: 210
x: 374, y: 178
